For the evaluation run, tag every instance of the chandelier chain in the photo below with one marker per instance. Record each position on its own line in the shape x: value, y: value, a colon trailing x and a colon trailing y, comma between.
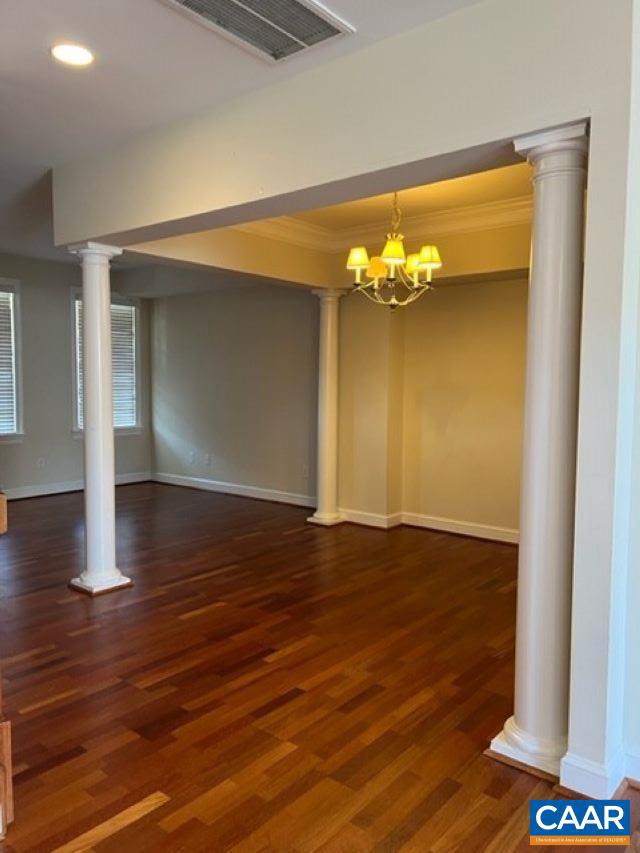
x: 396, y: 215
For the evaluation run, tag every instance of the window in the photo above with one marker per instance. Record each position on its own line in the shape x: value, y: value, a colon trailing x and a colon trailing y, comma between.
x: 9, y: 373
x: 124, y: 347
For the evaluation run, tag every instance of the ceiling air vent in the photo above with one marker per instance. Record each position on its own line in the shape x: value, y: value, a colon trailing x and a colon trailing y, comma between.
x: 274, y: 29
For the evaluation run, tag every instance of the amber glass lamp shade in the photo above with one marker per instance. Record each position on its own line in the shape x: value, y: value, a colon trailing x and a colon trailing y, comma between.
x: 377, y: 268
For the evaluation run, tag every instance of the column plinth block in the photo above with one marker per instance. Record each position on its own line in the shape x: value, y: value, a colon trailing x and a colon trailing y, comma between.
x: 93, y: 587
x: 325, y: 520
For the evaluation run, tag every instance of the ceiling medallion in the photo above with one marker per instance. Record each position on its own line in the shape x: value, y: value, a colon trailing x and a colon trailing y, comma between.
x: 394, y: 278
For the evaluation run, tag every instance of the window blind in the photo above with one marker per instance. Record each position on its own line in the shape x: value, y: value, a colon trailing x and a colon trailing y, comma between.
x: 8, y: 391
x: 124, y: 366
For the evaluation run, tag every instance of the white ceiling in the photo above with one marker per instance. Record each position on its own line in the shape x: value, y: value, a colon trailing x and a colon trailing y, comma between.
x: 153, y: 66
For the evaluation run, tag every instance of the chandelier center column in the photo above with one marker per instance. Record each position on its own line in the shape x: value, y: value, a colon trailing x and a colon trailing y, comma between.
x: 326, y: 512
x: 536, y: 735
x: 100, y: 574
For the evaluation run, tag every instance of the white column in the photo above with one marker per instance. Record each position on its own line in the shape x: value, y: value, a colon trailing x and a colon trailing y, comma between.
x: 327, y: 481
x: 100, y: 574
x: 536, y: 735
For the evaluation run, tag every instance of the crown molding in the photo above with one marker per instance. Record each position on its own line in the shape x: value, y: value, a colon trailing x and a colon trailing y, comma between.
x: 460, y: 220
x: 288, y: 229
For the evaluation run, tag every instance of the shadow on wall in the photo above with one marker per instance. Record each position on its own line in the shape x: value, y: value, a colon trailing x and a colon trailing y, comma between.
x: 235, y: 388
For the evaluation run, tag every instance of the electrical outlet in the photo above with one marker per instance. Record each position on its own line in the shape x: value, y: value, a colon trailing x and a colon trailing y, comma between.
x: 192, y: 457
x: 41, y: 462
x: 207, y: 460
x: 305, y: 472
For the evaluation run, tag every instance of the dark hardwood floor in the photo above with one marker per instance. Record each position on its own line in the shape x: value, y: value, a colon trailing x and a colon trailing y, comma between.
x: 266, y: 685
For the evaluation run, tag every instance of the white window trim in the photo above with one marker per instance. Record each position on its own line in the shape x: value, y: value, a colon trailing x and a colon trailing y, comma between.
x: 116, y: 299
x: 13, y: 285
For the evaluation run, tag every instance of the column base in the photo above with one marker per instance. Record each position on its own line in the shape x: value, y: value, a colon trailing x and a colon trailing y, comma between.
x: 325, y: 519
x: 518, y: 746
x: 100, y: 587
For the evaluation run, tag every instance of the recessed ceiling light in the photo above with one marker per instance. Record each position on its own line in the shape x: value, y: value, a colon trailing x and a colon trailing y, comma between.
x: 72, y: 54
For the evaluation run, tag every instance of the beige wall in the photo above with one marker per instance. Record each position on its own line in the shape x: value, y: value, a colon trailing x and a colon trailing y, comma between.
x: 370, y: 438
x: 49, y: 457
x: 234, y: 387
x: 463, y: 403
x: 431, y: 408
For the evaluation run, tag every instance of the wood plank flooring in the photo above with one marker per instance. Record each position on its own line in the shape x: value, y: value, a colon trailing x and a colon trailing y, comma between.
x: 266, y: 685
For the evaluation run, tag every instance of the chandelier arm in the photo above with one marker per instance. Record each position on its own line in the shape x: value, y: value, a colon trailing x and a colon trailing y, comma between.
x: 408, y: 285
x: 376, y: 297
x: 416, y: 295
x: 408, y: 282
x: 381, y: 300
x: 378, y: 300
x: 400, y: 276
x: 410, y: 299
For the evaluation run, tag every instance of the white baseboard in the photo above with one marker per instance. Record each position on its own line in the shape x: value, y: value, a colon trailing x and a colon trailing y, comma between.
x: 234, y: 489
x: 371, y: 519
x: 595, y: 780
x: 431, y: 522
x: 44, y: 489
x: 465, y: 528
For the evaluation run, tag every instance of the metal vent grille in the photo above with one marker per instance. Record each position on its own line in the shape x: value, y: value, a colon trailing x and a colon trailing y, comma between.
x: 274, y: 28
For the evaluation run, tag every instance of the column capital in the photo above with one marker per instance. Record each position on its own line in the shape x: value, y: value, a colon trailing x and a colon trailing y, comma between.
x: 96, y: 249
x: 568, y: 137
x: 330, y: 294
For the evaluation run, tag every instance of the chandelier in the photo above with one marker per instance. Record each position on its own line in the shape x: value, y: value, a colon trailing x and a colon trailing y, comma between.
x: 394, y: 278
